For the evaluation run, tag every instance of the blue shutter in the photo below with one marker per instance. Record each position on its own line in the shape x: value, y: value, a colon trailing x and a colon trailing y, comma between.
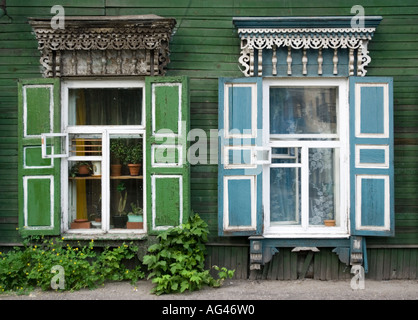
x: 371, y: 161
x: 239, y: 174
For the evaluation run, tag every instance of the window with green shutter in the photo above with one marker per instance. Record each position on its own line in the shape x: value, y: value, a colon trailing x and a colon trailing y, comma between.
x: 102, y: 123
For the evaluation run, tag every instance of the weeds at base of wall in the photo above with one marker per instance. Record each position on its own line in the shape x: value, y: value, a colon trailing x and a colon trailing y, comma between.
x: 177, y: 262
x: 50, y: 263
x: 37, y: 262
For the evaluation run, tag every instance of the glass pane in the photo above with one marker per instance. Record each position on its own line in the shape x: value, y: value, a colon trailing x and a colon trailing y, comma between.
x: 105, y: 106
x: 126, y: 182
x: 323, y: 187
x: 286, y: 155
x: 307, y: 110
x: 85, y: 194
x: 285, y: 196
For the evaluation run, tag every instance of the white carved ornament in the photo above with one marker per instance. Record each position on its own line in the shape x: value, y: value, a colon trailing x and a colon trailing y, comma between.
x: 305, y: 38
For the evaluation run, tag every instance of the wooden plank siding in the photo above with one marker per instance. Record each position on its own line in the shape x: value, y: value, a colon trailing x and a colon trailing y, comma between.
x: 205, y: 46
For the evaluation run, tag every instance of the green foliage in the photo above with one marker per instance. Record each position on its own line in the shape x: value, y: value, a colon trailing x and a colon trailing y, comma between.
x: 23, y: 269
x: 134, y: 153
x: 118, y: 149
x: 177, y: 261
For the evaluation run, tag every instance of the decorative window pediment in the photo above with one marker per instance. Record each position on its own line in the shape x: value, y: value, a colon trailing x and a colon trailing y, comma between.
x: 104, y: 46
x: 304, y: 46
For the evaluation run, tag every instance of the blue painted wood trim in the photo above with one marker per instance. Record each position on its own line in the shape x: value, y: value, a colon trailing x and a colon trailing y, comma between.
x: 303, y: 22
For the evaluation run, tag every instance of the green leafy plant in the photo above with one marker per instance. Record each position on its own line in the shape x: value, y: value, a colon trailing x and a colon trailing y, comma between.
x: 134, y: 153
x: 119, y: 149
x: 24, y: 268
x: 136, y: 210
x: 177, y: 261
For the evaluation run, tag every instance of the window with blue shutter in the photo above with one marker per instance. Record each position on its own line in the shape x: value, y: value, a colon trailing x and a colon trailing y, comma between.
x: 325, y: 154
x: 322, y: 149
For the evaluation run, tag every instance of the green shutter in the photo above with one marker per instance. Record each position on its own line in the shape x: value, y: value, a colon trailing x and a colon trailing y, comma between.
x: 38, y: 178
x: 168, y: 172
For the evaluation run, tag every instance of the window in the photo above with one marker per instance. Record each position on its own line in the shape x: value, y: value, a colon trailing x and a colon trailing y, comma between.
x: 104, y: 123
x: 66, y: 124
x: 308, y: 142
x: 310, y: 152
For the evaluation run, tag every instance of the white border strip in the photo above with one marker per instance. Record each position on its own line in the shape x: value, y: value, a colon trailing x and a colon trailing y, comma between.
x: 25, y: 107
x: 25, y: 166
x: 379, y: 165
x: 177, y: 164
x: 153, y: 108
x: 359, y: 226
x: 253, y: 133
x: 253, y: 225
x: 385, y: 133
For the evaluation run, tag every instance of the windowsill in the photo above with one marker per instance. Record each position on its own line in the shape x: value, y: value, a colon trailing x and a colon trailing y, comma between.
x: 329, y: 233
x: 104, y: 236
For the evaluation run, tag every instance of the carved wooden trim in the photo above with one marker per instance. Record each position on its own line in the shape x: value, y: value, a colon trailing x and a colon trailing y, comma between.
x: 103, y: 46
x: 260, y: 34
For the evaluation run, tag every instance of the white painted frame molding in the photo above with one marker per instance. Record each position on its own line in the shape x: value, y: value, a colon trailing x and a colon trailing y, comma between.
x: 342, y: 144
x: 105, y: 132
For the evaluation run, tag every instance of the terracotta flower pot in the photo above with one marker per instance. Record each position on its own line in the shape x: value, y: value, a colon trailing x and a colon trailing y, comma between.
x: 134, y: 169
x: 83, y: 169
x: 329, y: 223
x: 115, y: 169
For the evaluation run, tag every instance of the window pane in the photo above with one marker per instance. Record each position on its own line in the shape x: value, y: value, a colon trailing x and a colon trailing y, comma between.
x: 105, y: 106
x: 126, y: 186
x: 85, y: 190
x: 285, y: 196
x: 303, y: 110
x: 323, y: 187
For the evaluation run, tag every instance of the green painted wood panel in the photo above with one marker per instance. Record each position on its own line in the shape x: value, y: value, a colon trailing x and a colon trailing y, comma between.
x: 167, y: 201
x: 39, y: 202
x: 167, y: 99
x: 37, y: 107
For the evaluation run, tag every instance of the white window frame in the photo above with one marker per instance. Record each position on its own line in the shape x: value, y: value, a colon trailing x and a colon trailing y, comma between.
x: 105, y: 131
x: 304, y: 229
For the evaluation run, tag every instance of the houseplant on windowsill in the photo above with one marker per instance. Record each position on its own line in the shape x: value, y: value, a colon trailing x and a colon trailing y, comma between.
x: 118, y: 149
x: 134, y: 158
x: 81, y: 169
x: 120, y: 219
x: 135, y: 217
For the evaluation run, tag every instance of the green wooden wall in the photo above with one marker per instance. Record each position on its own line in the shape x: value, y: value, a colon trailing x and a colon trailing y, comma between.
x: 205, y: 47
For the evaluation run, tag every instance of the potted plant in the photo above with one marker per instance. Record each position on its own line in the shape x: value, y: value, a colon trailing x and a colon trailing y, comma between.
x: 135, y: 217
x: 329, y: 221
x: 81, y: 169
x: 120, y: 219
x: 118, y: 149
x: 134, y: 158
